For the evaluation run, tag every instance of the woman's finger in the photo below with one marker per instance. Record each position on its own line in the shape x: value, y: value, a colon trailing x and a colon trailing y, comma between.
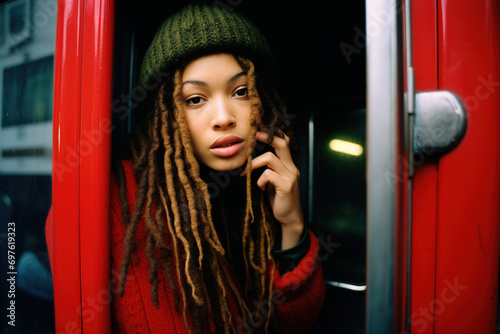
x: 281, y: 148
x: 280, y: 184
x: 271, y: 161
x: 280, y: 145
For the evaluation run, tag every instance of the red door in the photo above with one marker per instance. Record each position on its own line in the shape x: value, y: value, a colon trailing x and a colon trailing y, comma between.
x: 456, y: 210
x: 456, y: 205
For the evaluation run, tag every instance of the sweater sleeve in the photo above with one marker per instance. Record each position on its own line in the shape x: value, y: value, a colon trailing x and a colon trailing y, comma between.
x: 298, y: 295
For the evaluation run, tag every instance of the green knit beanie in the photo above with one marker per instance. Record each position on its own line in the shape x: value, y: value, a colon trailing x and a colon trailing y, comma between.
x: 199, y: 30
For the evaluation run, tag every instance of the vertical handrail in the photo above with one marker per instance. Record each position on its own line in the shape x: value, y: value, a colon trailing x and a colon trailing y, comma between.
x: 311, y: 171
x: 384, y: 157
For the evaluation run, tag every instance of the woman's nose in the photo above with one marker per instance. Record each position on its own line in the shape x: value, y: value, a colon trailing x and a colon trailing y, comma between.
x: 223, y: 117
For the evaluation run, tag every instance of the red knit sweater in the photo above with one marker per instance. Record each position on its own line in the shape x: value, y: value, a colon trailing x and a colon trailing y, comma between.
x: 297, y: 295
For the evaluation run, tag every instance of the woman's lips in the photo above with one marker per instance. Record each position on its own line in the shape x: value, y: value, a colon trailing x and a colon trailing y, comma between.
x: 226, y: 146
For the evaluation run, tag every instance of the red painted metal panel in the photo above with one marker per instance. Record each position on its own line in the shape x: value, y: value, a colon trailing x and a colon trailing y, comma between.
x: 424, y: 248
x: 81, y: 162
x: 425, y: 44
x: 66, y: 167
x: 469, y: 181
x: 424, y: 24
x: 95, y: 145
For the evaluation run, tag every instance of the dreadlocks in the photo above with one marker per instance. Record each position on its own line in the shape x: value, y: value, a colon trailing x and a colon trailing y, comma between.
x: 175, y: 204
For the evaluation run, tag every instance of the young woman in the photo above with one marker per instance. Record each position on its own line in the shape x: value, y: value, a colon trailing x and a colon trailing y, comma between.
x: 207, y: 230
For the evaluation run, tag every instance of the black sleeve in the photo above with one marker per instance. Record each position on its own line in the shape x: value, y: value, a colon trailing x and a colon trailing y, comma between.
x: 288, y: 259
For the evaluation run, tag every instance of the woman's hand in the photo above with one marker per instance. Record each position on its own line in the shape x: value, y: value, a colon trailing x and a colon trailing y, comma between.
x: 281, y: 178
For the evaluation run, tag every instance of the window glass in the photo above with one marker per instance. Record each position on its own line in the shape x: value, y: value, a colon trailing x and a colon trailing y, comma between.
x: 27, y: 43
x: 339, y: 186
x: 28, y: 97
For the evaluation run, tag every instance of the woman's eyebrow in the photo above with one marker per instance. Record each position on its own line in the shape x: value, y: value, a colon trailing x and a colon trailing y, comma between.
x: 195, y: 82
x: 236, y: 76
x: 204, y: 84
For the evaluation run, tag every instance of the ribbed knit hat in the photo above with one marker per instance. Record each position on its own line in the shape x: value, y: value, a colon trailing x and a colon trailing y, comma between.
x: 201, y: 29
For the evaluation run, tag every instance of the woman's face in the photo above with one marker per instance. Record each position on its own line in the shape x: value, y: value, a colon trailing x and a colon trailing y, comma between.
x: 217, y: 110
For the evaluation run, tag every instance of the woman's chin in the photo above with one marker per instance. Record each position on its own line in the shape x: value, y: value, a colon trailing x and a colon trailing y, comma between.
x: 228, y: 165
x: 229, y: 168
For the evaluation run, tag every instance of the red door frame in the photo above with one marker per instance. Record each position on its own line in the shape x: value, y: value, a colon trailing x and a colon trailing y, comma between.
x: 81, y: 163
x: 456, y: 200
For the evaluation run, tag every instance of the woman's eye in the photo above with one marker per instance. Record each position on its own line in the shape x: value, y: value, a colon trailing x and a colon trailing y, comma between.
x: 241, y: 92
x: 194, y: 101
